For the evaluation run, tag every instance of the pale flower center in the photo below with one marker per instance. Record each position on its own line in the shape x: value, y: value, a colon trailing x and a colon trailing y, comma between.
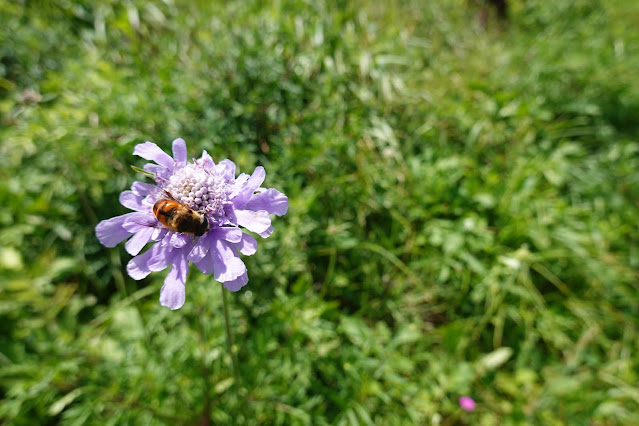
x: 200, y: 189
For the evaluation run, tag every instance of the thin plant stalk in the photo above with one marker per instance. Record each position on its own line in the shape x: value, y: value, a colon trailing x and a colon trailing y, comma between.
x: 229, y: 338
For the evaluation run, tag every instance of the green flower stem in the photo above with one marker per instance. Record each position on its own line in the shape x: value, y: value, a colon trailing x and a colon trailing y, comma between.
x: 229, y: 338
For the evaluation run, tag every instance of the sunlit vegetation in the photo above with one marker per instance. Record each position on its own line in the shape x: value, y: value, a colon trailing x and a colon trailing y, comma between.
x: 463, y: 218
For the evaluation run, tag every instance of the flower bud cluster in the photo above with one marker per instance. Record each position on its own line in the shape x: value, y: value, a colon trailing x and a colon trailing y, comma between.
x: 199, y: 189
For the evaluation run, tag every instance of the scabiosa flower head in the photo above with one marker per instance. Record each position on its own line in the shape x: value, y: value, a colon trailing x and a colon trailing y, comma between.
x: 198, y: 222
x: 467, y: 403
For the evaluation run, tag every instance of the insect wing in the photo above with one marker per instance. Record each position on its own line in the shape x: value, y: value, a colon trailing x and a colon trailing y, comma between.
x: 158, y: 193
x: 134, y: 220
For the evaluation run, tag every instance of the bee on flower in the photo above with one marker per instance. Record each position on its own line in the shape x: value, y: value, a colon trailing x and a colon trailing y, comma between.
x: 194, y: 213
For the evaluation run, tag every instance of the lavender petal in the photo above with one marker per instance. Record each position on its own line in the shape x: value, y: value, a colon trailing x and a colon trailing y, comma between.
x: 143, y: 188
x: 179, y: 240
x: 138, y: 267
x: 137, y: 221
x: 230, y: 234
x: 227, y: 265
x: 271, y: 200
x: 206, y: 263
x: 110, y: 232
x: 166, y: 241
x: 231, y: 218
x: 179, y: 152
x: 206, y: 160
x: 238, y: 283
x: 257, y: 222
x: 247, y: 190
x: 173, y: 293
x: 138, y: 241
x: 266, y: 233
x: 162, y: 259
x: 154, y: 259
x: 200, y: 248
x: 247, y: 246
x: 157, y: 170
x: 152, y: 152
x: 226, y: 168
x: 132, y: 201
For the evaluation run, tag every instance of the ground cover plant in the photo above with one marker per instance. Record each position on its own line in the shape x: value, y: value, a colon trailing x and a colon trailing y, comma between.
x: 462, y: 212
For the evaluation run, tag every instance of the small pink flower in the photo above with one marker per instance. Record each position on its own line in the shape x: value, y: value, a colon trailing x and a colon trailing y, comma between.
x: 467, y: 403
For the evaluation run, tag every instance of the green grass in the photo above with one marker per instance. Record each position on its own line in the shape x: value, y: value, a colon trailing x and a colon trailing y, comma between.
x: 463, y: 212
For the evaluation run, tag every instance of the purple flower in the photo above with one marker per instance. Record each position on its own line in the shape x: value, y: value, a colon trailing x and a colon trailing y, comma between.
x: 467, y: 403
x: 223, y: 204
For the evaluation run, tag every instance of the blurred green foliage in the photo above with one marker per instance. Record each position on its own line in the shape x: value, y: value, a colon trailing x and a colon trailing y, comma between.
x: 463, y: 212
